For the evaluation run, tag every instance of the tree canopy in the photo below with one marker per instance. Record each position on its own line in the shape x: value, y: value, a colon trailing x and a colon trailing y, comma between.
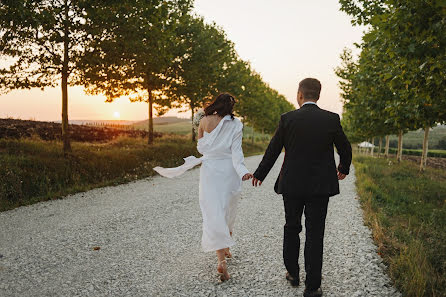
x: 398, y: 82
x: 152, y: 51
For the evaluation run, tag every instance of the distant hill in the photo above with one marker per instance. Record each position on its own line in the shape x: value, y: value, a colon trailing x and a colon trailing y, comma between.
x: 156, y: 121
x: 167, y: 125
x: 163, y: 121
x: 414, y: 139
x: 105, y: 122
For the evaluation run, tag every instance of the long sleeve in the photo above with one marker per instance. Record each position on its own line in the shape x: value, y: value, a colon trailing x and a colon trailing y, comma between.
x: 272, y: 153
x: 344, y: 149
x: 238, y: 160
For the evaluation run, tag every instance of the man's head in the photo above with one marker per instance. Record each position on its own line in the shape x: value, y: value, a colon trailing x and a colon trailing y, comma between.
x: 309, y: 90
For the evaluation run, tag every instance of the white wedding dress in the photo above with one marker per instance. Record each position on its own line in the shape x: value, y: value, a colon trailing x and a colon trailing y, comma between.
x: 221, y: 175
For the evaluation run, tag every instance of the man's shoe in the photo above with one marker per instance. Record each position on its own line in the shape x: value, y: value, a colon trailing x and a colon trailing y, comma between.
x: 294, y: 280
x: 313, y: 293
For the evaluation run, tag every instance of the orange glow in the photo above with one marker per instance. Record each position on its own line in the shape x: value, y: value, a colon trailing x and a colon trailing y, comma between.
x: 300, y: 39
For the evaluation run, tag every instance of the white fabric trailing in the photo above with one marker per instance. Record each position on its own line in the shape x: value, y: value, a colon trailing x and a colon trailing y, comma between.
x: 189, y: 163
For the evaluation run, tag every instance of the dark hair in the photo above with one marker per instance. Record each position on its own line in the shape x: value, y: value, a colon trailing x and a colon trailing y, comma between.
x: 222, y: 105
x: 310, y: 88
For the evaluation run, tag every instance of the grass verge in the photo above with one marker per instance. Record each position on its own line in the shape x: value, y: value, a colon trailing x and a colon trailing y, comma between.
x: 406, y: 211
x: 33, y: 170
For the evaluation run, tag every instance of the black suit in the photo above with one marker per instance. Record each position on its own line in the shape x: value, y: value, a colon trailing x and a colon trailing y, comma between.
x: 307, y: 179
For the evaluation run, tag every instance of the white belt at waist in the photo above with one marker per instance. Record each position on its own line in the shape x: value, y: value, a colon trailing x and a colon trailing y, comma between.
x: 216, y: 157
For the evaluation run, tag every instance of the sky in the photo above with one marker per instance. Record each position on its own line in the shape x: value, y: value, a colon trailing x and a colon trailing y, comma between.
x: 285, y: 41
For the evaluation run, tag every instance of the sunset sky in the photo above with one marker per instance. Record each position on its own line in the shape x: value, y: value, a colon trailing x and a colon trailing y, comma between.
x: 285, y: 41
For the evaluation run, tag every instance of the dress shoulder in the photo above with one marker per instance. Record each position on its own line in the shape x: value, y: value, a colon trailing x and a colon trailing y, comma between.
x: 238, y: 124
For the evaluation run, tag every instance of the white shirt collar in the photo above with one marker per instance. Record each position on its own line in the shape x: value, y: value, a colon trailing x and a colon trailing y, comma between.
x: 309, y: 102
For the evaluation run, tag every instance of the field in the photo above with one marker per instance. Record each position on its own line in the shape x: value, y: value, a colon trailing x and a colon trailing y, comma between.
x: 407, y: 213
x: 414, y: 139
x: 173, y: 125
x: 179, y: 127
x: 17, y: 129
x: 34, y: 169
x: 418, y: 152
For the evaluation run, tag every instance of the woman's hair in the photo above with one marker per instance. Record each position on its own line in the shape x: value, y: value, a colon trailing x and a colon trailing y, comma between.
x: 222, y: 105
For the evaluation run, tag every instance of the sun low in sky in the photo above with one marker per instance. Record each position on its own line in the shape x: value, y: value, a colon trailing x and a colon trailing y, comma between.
x: 285, y: 41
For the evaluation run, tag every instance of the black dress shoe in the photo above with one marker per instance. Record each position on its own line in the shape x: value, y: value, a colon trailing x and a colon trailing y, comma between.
x: 294, y: 280
x: 313, y: 293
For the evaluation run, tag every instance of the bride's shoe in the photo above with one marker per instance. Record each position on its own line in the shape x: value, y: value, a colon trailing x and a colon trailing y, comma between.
x: 222, y: 271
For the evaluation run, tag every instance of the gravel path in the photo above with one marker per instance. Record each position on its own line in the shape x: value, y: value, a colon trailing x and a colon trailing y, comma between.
x: 149, y: 237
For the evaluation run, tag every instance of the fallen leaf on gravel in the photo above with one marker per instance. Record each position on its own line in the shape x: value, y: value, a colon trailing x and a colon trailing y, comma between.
x: 96, y: 248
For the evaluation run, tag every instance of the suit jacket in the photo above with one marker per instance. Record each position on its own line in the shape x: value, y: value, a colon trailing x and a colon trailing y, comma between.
x: 308, y: 135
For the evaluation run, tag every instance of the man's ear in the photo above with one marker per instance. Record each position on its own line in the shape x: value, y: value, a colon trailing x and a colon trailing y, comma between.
x: 300, y: 96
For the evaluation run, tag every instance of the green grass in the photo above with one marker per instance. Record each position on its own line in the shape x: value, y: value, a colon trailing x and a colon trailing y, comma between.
x: 415, y: 152
x: 406, y: 210
x: 33, y: 170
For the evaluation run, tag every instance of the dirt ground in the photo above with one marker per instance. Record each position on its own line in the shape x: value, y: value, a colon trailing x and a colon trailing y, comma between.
x: 431, y: 161
x: 11, y: 128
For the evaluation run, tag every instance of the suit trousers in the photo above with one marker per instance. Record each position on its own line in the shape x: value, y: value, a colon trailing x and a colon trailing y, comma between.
x: 315, y: 209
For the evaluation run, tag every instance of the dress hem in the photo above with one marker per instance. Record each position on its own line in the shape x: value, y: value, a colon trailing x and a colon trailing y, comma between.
x: 216, y: 249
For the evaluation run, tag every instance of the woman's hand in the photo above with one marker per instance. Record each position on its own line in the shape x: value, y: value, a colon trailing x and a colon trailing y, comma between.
x: 247, y: 176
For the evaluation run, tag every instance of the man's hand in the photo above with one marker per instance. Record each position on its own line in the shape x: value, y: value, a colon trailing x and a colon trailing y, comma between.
x: 256, y: 181
x: 341, y: 176
x: 247, y: 176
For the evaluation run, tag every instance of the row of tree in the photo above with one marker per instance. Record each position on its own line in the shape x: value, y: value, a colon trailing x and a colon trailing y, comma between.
x: 152, y: 51
x: 398, y: 82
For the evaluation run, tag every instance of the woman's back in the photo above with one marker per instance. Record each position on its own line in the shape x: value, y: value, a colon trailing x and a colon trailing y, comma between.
x: 217, y: 135
x: 208, y: 123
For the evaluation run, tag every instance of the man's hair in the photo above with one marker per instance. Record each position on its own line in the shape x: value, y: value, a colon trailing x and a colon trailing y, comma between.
x: 310, y: 88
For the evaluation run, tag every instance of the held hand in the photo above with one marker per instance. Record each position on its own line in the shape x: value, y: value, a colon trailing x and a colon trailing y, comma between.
x: 341, y: 176
x: 256, y: 182
x: 247, y: 176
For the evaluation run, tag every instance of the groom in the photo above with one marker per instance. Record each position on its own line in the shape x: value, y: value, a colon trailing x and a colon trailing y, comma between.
x: 308, y: 178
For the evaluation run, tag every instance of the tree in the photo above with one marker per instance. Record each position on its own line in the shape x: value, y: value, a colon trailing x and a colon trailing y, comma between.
x: 207, y: 53
x: 44, y: 41
x: 133, y: 52
x: 418, y: 48
x: 411, y: 38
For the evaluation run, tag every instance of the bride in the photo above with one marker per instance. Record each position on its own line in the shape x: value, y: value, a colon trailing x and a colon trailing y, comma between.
x: 221, y: 174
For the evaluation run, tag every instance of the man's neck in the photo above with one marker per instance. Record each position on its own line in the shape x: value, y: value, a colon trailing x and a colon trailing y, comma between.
x: 309, y: 102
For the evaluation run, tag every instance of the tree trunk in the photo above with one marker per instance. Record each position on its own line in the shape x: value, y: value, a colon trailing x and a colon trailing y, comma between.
x: 399, y: 155
x: 193, y: 130
x: 372, y: 149
x: 380, y: 146
x: 423, y: 161
x: 150, y: 117
x: 65, y: 127
x: 252, y: 139
x: 386, y: 151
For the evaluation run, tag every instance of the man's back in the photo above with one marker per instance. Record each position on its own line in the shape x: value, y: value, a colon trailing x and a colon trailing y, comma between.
x: 308, y: 135
x: 307, y: 179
